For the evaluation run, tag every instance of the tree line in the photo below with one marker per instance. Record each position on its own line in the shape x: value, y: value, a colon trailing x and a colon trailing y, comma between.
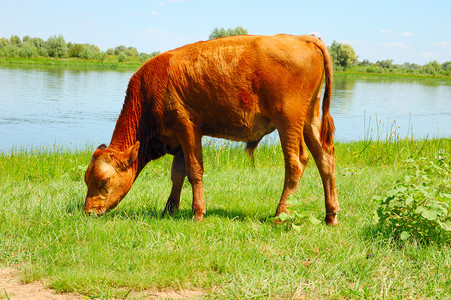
x: 56, y: 47
x: 345, y: 59
x: 343, y: 55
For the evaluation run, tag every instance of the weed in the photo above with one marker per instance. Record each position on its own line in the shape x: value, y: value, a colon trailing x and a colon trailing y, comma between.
x: 418, y: 206
x: 297, y: 216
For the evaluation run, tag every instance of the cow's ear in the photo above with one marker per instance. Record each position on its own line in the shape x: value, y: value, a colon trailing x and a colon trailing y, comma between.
x: 102, y: 147
x: 131, y: 154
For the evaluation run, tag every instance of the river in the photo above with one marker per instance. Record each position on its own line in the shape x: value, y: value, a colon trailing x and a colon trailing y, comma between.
x: 73, y: 108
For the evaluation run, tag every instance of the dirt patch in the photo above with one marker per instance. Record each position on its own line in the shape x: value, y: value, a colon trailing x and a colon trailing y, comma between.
x: 12, y: 287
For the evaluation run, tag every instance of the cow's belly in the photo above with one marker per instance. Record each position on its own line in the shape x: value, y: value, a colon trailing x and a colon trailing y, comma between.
x: 240, y: 130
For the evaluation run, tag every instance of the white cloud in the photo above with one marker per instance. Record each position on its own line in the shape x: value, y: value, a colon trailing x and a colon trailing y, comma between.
x: 154, y: 13
x: 165, y: 2
x: 442, y: 44
x: 428, y: 55
x: 407, y: 34
x: 397, y: 45
x: 385, y: 31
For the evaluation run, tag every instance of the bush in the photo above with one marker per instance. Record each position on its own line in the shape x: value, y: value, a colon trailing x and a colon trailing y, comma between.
x: 9, y: 51
x: 110, y: 51
x: 119, y: 49
x: 222, y: 32
x: 56, y: 46
x: 90, y: 52
x: 131, y: 51
x: 15, y: 40
x: 122, y: 57
x: 3, y: 42
x: 143, y: 57
x: 28, y: 50
x: 418, y: 207
x: 74, y: 50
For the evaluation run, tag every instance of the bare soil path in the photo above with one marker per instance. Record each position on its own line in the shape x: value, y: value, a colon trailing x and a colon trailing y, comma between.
x: 11, y: 287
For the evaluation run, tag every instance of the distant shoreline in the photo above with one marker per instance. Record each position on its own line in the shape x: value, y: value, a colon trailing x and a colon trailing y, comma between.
x: 110, y: 64
x: 69, y: 62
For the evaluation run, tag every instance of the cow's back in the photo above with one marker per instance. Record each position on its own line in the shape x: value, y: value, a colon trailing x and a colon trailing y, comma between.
x: 232, y: 86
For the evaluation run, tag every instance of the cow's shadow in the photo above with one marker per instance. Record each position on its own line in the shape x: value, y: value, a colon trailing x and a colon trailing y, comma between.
x: 181, y: 214
x: 152, y: 212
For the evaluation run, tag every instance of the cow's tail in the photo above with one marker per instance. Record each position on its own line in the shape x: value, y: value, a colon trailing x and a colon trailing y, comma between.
x: 327, y: 122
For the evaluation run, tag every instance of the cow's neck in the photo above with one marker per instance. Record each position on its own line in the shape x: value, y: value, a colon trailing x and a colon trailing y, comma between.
x: 127, y: 131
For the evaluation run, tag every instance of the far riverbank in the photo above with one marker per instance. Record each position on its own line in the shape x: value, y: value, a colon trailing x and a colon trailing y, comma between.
x: 111, y: 63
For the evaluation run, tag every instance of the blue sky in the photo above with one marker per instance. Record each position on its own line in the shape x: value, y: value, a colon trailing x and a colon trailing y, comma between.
x: 412, y: 30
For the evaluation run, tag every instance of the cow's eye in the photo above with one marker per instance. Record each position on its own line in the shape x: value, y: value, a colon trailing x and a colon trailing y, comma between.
x: 104, y: 183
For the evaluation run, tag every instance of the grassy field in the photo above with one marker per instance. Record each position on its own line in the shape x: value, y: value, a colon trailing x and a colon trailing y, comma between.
x: 237, y: 252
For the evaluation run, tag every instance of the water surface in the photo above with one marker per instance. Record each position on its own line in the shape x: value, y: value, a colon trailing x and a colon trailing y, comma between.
x: 50, y: 106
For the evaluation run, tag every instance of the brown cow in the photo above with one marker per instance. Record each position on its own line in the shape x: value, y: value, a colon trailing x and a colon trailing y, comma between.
x: 239, y: 88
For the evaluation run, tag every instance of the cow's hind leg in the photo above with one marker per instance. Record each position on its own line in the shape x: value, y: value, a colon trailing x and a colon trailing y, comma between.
x: 325, y: 161
x: 296, y: 158
x: 178, y: 174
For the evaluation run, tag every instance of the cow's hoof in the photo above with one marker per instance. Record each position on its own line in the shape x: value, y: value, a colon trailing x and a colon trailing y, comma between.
x: 331, y: 219
x: 199, y: 217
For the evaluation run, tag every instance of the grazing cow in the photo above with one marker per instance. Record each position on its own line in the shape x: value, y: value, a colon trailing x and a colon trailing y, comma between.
x: 239, y: 88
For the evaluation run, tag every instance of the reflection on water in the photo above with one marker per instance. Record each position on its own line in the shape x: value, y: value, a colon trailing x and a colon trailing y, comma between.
x: 418, y: 107
x: 47, y: 106
x: 72, y: 107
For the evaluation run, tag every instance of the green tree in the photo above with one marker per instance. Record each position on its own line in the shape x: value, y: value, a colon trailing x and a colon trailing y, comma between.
x: 343, y: 55
x: 131, y: 51
x: 56, y: 46
x: 28, y: 49
x: 90, y: 52
x: 446, y: 66
x: 386, y: 63
x: 432, y: 68
x: 119, y: 49
x: 122, y: 57
x: 15, y: 40
x: 110, y: 51
x: 146, y: 56
x: 4, y: 42
x: 74, y: 50
x: 38, y: 42
x: 221, y: 32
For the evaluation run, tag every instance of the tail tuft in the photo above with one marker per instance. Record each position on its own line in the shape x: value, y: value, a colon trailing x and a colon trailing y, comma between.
x: 250, y: 148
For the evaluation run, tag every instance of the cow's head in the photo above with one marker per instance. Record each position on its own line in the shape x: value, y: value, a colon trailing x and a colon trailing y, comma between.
x: 109, y: 177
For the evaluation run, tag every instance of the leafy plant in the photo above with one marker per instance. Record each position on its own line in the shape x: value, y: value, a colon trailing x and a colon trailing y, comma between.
x: 418, y: 207
x: 297, y: 215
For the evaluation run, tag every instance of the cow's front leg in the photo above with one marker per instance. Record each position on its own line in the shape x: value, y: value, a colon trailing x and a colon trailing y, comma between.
x: 178, y: 174
x: 191, y: 142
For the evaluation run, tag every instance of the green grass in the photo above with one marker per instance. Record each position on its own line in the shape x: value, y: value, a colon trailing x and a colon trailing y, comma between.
x: 389, y: 73
x: 109, y: 63
x: 360, y: 74
x: 237, y: 252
